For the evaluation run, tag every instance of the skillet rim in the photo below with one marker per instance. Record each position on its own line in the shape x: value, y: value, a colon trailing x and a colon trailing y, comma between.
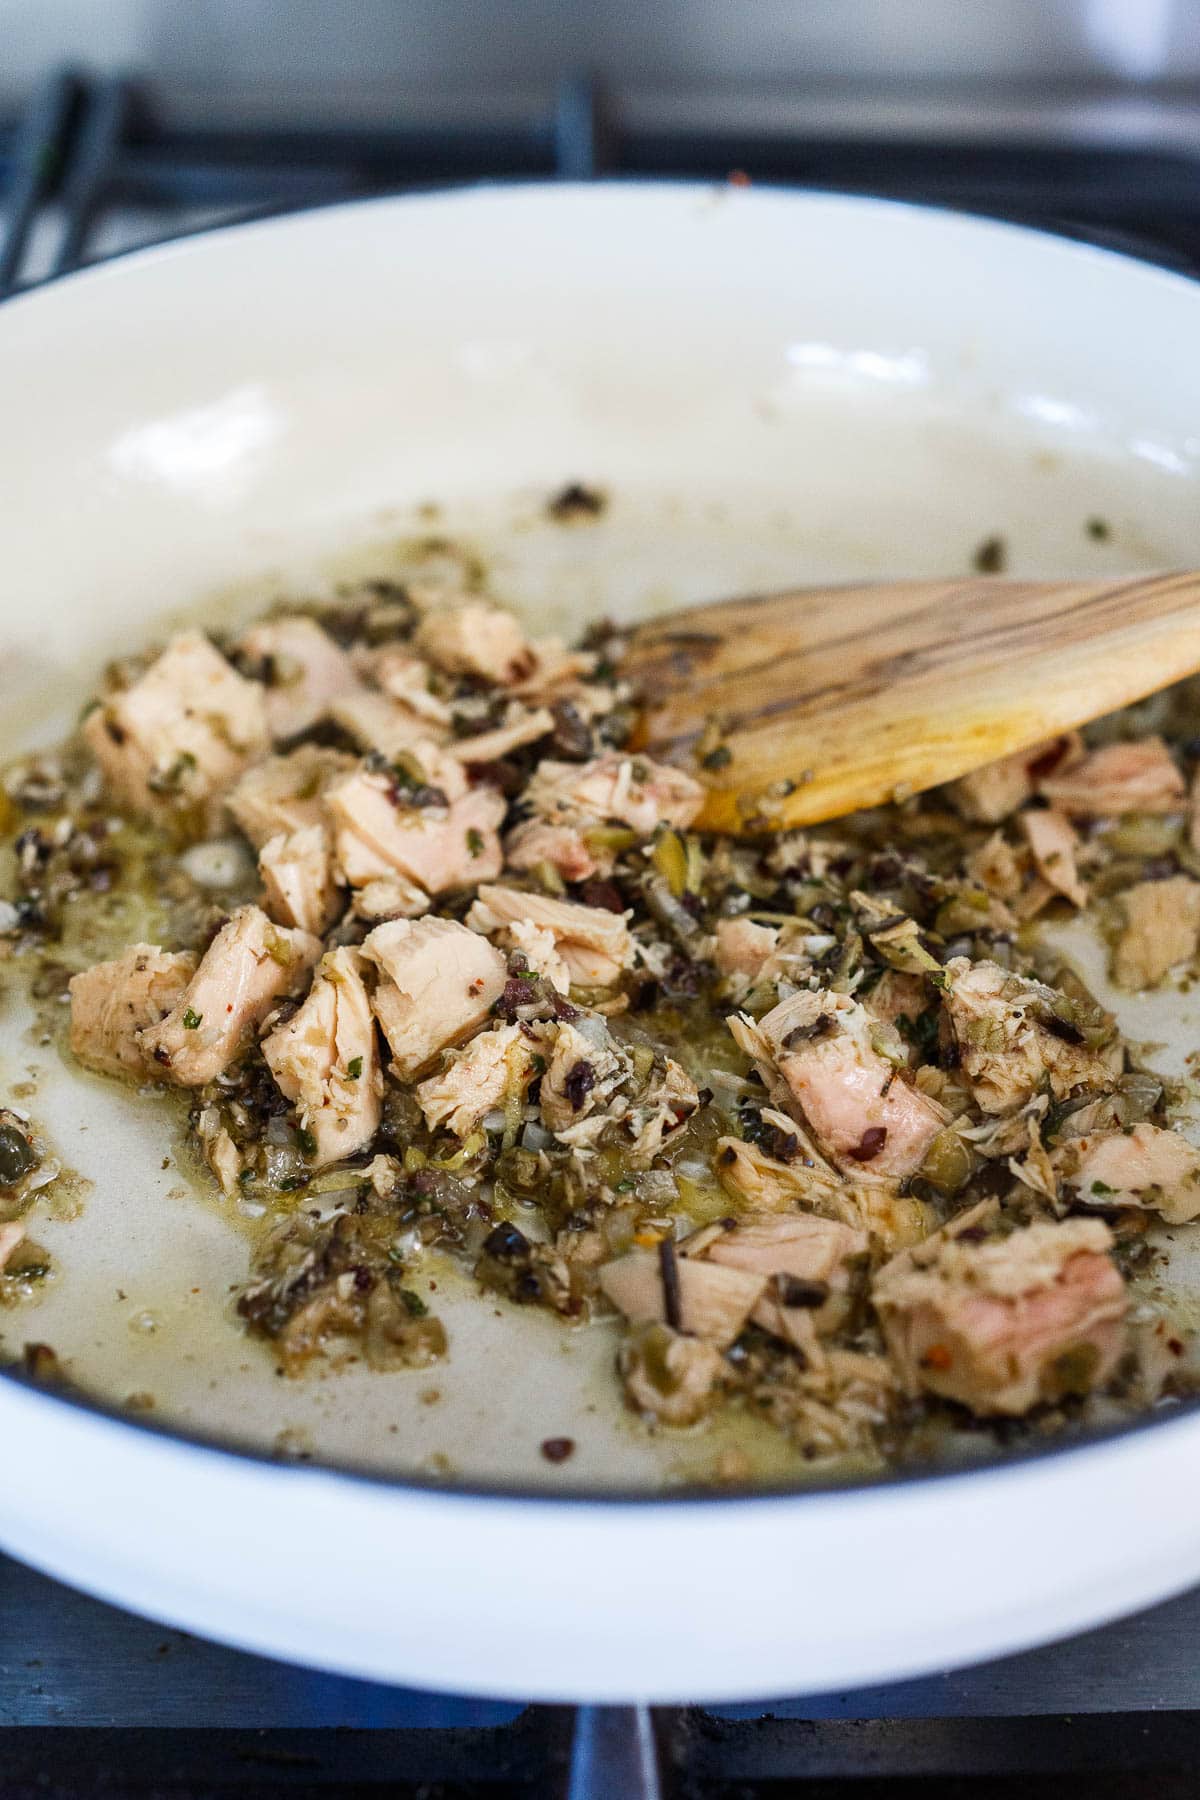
x: 1080, y: 241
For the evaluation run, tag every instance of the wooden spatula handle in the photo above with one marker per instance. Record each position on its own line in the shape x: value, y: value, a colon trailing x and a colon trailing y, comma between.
x: 822, y: 701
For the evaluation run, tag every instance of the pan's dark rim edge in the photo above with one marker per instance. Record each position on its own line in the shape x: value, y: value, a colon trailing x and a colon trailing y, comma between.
x: 699, y: 1495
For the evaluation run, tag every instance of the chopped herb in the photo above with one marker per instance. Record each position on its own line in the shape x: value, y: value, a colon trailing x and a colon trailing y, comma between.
x: 475, y: 841
x: 306, y: 1140
x: 1101, y: 1188
x: 413, y: 1302
x: 720, y: 758
x: 192, y: 1019
x: 354, y: 1067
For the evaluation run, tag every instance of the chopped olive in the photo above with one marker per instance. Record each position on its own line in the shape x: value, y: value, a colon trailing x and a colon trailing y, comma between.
x: 17, y: 1155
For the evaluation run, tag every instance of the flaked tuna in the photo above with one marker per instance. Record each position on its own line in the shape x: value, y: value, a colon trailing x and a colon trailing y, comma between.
x: 325, y: 1059
x: 1004, y: 1324
x: 439, y: 984
x: 249, y: 965
x: 815, y: 1050
x: 286, y: 793
x: 1143, y: 1166
x: 594, y: 943
x: 297, y: 877
x: 181, y: 735
x: 112, y: 1003
x: 301, y: 669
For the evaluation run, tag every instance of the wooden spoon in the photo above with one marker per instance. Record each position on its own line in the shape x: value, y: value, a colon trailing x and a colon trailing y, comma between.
x: 807, y: 705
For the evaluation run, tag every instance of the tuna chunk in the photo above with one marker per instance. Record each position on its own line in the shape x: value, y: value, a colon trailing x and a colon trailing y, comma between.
x: 379, y: 833
x: 1003, y: 1325
x: 301, y: 668
x: 182, y: 734
x: 563, y: 847
x: 114, y: 1002
x: 298, y: 879
x: 765, y: 1182
x: 559, y: 673
x: 495, y: 1066
x: 408, y: 679
x: 594, y: 943
x: 440, y: 983
x: 476, y: 638
x: 285, y: 793
x: 632, y: 790
x: 249, y: 965
x: 578, y: 1088
x: 714, y: 1301
x: 896, y: 996
x: 669, y: 1376
x: 804, y: 1259
x: 1054, y: 845
x: 814, y: 1050
x: 667, y: 1104
x: 521, y: 727
x: 1120, y: 778
x: 1145, y: 1167
x: 376, y: 722
x: 999, y: 788
x: 1162, y: 928
x: 1011, y: 1040
x: 744, y: 948
x: 540, y: 949
x: 326, y: 1060
x: 802, y: 1245
x: 391, y: 897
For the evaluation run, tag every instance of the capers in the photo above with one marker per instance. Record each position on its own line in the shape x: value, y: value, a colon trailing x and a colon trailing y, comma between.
x: 17, y: 1156
x: 948, y: 1163
x: 1144, y: 834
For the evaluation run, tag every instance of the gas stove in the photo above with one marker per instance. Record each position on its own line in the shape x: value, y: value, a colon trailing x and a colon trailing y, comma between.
x: 95, y: 1702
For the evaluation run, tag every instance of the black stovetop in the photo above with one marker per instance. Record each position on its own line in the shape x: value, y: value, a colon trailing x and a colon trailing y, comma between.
x: 93, y: 1702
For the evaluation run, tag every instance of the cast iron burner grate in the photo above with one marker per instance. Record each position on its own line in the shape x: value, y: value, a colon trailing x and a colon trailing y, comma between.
x: 94, y: 1702
x: 91, y: 169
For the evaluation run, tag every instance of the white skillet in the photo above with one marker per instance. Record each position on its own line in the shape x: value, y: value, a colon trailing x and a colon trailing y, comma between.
x: 773, y: 388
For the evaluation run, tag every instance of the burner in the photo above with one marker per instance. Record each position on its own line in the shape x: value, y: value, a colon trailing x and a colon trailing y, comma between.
x: 91, y: 170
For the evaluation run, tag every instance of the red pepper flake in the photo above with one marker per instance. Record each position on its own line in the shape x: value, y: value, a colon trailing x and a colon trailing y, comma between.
x: 738, y: 178
x: 556, y: 1450
x: 937, y: 1357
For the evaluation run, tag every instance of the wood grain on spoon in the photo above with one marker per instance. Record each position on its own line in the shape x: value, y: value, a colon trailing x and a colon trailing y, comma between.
x: 832, y: 699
